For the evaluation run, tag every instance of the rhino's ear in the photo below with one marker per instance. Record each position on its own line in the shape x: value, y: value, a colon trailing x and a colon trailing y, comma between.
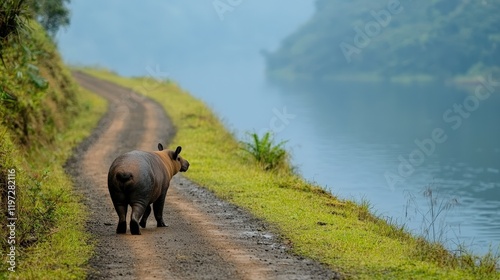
x: 160, y: 147
x: 177, y: 152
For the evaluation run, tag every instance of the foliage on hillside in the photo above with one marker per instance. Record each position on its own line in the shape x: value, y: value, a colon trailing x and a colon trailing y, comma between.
x: 32, y: 89
x: 39, y: 103
x: 30, y: 93
x: 381, y: 39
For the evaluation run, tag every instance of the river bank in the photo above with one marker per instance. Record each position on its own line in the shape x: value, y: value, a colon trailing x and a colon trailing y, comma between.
x: 342, y: 234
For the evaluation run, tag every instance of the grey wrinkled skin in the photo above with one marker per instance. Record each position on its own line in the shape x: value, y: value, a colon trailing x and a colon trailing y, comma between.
x: 139, y: 179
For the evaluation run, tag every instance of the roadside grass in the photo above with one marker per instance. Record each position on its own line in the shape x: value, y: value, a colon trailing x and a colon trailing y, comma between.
x: 345, y: 235
x: 43, y: 117
x: 52, y: 242
x: 66, y: 248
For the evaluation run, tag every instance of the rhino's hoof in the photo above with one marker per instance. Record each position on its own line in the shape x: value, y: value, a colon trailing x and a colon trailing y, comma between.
x: 143, y: 224
x: 134, y: 228
x: 161, y: 224
x: 121, y: 228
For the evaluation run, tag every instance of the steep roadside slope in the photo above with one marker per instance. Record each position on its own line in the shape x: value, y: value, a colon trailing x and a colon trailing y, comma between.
x: 43, y: 114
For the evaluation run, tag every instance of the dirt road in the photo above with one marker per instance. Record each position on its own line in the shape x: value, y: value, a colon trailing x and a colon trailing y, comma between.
x: 206, y: 238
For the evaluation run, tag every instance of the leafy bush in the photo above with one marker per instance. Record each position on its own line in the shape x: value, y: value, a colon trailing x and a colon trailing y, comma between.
x: 270, y: 155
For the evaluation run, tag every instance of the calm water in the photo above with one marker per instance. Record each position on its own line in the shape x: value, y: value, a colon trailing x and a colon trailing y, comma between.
x: 354, y: 140
x: 346, y: 137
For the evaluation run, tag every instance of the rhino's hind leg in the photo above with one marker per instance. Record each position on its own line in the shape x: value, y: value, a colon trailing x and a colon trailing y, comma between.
x: 144, y: 218
x: 121, y: 210
x: 134, y: 228
x: 158, y: 211
x: 121, y: 228
x: 137, y: 212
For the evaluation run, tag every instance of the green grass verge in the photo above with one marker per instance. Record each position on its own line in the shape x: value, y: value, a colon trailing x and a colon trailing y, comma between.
x: 340, y: 233
x: 51, y: 239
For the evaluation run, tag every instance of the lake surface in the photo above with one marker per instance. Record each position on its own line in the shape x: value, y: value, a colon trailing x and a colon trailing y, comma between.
x: 379, y: 143
x: 383, y: 144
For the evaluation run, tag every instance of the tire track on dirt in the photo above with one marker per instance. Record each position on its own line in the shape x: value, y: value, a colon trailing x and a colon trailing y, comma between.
x: 121, y: 130
x: 206, y: 239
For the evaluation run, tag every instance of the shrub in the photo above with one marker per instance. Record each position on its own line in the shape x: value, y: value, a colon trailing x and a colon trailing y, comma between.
x: 269, y: 155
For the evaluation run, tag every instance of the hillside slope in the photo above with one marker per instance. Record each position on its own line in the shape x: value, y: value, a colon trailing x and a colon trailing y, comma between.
x: 381, y: 40
x: 43, y: 116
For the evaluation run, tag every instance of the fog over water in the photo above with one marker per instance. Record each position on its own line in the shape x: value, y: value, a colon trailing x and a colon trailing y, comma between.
x: 347, y: 137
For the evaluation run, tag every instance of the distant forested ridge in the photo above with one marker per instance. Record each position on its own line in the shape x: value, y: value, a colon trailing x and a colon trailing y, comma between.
x: 390, y: 40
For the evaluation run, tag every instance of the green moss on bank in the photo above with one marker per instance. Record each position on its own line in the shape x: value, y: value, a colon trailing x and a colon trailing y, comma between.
x: 339, y: 233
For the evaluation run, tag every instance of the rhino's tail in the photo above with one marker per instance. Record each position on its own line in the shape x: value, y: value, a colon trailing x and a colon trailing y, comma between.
x: 123, y: 177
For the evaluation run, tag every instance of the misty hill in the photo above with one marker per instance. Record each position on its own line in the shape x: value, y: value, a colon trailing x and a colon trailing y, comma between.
x: 367, y: 40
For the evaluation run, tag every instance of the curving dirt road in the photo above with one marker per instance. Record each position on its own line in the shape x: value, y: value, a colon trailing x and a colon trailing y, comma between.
x: 206, y: 239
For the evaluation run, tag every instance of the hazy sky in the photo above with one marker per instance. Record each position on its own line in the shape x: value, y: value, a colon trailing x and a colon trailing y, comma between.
x: 131, y: 36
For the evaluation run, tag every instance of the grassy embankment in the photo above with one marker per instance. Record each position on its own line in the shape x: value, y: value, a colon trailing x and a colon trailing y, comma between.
x: 43, y: 116
x: 340, y: 233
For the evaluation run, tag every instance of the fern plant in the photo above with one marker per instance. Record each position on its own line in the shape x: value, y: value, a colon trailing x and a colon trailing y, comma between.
x: 265, y: 151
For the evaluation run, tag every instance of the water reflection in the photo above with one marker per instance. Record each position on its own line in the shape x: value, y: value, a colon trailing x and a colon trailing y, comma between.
x: 363, y: 133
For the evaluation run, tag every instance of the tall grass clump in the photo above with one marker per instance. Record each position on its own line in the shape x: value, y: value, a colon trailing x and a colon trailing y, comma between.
x: 434, y: 215
x: 433, y: 232
x: 263, y: 149
x: 14, y: 27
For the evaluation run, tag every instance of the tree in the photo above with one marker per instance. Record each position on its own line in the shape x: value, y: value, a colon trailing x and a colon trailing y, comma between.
x: 51, y: 14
